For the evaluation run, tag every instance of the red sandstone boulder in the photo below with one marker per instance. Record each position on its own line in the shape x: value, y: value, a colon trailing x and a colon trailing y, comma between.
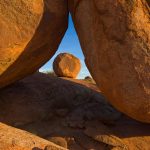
x: 30, y: 33
x: 66, y: 65
x: 115, y: 38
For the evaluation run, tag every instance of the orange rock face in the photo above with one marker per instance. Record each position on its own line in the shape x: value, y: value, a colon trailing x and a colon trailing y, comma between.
x: 115, y: 38
x: 30, y: 32
x: 66, y: 65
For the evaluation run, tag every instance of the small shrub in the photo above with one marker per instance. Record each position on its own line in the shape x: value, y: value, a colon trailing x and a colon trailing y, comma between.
x: 50, y: 73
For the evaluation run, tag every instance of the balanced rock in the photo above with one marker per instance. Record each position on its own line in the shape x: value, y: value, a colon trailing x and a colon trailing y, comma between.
x: 115, y: 38
x: 66, y: 65
x: 30, y: 33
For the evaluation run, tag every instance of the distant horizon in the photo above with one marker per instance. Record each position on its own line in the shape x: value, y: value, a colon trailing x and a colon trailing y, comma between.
x: 70, y: 44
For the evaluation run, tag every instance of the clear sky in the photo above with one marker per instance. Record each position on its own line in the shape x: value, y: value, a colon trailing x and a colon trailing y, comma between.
x: 69, y: 44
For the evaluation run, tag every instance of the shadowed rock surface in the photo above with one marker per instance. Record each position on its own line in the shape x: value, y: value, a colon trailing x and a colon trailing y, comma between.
x: 30, y: 33
x: 115, y: 38
x: 39, y: 96
x: 69, y: 111
x: 148, y: 1
x: 66, y: 65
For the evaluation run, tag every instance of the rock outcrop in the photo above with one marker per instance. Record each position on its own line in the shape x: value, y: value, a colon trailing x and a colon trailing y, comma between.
x: 69, y: 112
x: 115, y: 38
x: 66, y: 65
x: 30, y: 33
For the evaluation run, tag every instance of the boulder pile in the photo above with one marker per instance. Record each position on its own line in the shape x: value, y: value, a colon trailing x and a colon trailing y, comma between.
x: 114, y: 36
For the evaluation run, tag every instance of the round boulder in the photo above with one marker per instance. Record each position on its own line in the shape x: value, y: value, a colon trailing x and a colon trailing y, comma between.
x: 66, y: 65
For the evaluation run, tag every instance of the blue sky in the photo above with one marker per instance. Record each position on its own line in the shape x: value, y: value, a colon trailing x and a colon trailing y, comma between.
x: 69, y: 44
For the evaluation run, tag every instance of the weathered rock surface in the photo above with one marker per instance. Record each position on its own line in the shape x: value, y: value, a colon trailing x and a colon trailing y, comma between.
x: 66, y: 65
x: 115, y: 38
x: 30, y: 32
x: 15, y: 139
x: 36, y: 104
x: 41, y: 97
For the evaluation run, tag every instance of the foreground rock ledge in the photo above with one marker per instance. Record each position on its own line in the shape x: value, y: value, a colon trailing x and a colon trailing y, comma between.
x: 15, y: 139
x: 30, y: 33
x: 115, y: 38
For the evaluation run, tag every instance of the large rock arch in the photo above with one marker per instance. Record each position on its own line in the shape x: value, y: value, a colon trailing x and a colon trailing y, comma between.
x: 114, y: 38
x: 30, y: 33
